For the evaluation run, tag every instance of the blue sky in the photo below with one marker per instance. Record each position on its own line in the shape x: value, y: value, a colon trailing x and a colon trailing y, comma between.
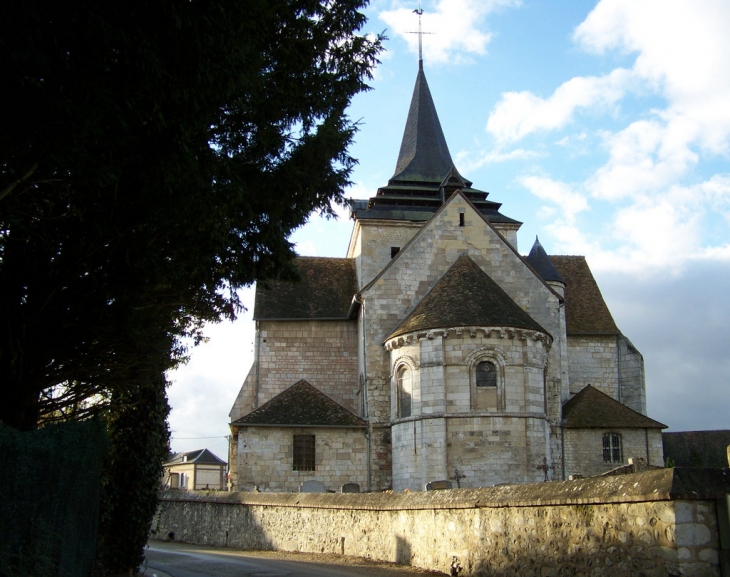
x: 604, y: 127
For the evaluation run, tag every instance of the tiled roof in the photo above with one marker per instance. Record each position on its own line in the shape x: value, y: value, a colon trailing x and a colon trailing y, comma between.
x: 540, y: 261
x: 424, y: 155
x: 697, y: 448
x: 301, y: 405
x: 585, y: 310
x: 466, y: 296
x: 199, y: 457
x: 325, y: 291
x: 592, y: 409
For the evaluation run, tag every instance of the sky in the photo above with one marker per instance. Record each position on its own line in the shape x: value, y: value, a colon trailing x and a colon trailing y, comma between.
x: 603, y: 126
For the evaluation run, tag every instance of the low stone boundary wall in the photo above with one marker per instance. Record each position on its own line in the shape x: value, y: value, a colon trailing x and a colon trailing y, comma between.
x: 662, y: 522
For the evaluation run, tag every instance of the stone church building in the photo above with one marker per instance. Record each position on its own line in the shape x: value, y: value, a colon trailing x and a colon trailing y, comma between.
x: 436, y: 351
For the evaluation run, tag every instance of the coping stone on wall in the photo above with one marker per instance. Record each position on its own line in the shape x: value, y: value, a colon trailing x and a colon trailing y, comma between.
x: 655, y: 485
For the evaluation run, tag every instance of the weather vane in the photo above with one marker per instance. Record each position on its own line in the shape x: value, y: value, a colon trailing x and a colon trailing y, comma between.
x: 420, y: 33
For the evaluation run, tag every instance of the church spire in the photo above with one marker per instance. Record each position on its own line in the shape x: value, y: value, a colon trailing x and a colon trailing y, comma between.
x: 424, y: 155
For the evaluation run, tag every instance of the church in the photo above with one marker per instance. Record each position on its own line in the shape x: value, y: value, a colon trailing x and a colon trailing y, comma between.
x: 435, y: 351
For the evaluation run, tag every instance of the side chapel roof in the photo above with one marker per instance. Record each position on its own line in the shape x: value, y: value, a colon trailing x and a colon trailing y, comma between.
x: 301, y: 405
x: 466, y: 296
x: 324, y: 292
x: 585, y: 310
x: 593, y: 409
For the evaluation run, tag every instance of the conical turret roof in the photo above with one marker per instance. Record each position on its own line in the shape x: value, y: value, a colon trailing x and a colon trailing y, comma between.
x: 424, y: 155
x: 540, y: 261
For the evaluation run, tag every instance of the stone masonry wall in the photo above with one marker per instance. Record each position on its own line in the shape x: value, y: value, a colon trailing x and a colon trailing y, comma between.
x: 584, y: 449
x: 651, y: 524
x: 264, y: 458
x: 324, y: 353
x: 633, y: 386
x: 428, y: 256
x: 593, y: 361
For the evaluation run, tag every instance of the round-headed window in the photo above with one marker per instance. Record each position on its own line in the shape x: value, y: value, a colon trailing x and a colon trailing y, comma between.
x: 486, y: 374
x: 404, y: 392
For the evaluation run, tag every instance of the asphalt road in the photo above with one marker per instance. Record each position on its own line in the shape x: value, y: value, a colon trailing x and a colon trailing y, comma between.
x: 181, y: 560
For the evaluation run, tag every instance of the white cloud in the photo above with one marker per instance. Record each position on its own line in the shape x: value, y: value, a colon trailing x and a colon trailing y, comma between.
x: 521, y: 113
x: 452, y: 28
x: 470, y: 160
x: 560, y: 193
x: 659, y: 201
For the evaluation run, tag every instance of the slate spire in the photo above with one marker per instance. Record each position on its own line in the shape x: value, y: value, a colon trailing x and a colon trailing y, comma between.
x: 540, y: 261
x: 424, y: 155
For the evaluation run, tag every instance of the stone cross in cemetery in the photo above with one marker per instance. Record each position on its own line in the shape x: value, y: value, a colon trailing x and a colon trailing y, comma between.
x: 545, y: 468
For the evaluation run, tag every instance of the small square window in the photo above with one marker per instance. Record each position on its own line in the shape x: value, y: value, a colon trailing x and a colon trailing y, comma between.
x: 394, y: 250
x: 303, y: 453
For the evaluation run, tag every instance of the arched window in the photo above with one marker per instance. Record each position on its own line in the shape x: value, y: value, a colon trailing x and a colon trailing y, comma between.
x: 486, y: 374
x: 486, y: 391
x: 612, y: 449
x: 404, y: 391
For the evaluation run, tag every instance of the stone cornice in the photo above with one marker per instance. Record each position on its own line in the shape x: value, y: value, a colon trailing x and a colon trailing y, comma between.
x: 472, y: 332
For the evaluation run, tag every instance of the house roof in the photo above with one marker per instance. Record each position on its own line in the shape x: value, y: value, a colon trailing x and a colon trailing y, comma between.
x: 325, y: 291
x: 301, y: 405
x: 593, y: 409
x: 199, y: 457
x: 540, y: 261
x: 466, y: 296
x: 585, y: 310
x: 697, y: 448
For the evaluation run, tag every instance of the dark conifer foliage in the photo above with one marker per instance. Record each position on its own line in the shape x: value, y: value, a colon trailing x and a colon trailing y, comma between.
x: 154, y: 158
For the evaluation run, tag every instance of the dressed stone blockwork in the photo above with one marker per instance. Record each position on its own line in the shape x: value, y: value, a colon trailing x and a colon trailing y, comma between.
x: 436, y: 351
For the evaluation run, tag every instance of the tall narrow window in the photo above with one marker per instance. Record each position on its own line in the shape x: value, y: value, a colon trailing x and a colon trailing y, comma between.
x: 404, y: 392
x: 303, y: 453
x: 612, y: 450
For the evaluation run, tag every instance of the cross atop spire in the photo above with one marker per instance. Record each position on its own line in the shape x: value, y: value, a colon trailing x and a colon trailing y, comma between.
x: 420, y: 33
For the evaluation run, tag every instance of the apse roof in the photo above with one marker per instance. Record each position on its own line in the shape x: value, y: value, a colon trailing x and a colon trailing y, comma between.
x: 593, y: 409
x: 466, y: 296
x: 301, y: 405
x: 585, y: 310
x: 540, y: 261
x: 325, y: 291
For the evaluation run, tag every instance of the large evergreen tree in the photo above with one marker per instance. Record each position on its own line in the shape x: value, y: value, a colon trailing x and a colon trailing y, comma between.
x: 154, y: 158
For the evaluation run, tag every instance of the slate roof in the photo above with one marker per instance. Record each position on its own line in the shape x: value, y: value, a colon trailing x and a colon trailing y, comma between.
x: 199, y: 457
x: 697, y: 448
x: 424, y: 155
x: 325, y: 291
x: 593, y: 409
x: 415, y: 191
x: 585, y: 310
x: 466, y: 296
x: 540, y: 261
x: 301, y: 405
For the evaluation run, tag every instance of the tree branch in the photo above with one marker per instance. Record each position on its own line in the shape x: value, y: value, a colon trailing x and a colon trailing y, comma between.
x: 10, y: 187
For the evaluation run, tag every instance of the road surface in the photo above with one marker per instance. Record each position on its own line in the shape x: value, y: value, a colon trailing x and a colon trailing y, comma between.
x: 183, y: 560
